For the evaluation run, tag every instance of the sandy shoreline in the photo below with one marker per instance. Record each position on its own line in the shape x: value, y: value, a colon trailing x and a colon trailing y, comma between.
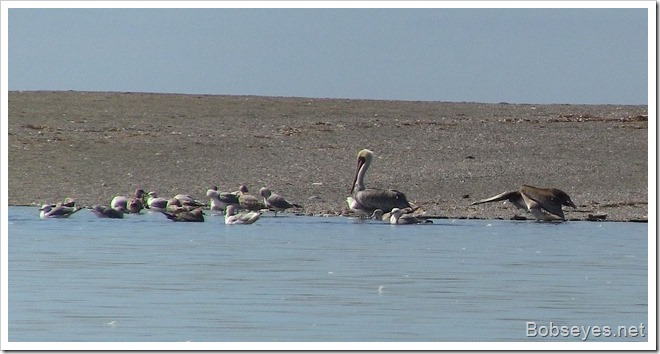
x: 443, y: 156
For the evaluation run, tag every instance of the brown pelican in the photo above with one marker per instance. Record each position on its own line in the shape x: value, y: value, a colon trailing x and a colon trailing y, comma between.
x: 57, y: 211
x: 195, y: 215
x: 103, y: 211
x: 544, y: 203
x: 275, y: 202
x: 369, y: 199
x: 232, y: 218
x: 130, y: 204
x: 248, y: 201
x: 399, y: 218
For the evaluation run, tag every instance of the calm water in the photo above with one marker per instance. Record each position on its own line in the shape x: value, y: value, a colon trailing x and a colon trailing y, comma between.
x: 293, y: 278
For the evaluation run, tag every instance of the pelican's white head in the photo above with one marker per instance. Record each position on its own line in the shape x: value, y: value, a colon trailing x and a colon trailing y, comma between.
x: 364, y: 158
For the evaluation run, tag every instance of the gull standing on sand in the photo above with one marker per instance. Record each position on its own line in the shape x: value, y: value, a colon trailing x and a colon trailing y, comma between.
x: 543, y: 203
x: 399, y: 218
x: 220, y: 200
x: 231, y: 218
x: 103, y: 211
x: 275, y: 202
x: 366, y: 200
x: 248, y: 201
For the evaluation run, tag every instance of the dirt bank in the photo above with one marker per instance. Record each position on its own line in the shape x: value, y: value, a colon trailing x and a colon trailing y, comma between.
x: 93, y: 145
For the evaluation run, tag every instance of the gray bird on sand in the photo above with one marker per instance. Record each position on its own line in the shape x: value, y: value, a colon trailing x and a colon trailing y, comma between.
x: 220, y: 200
x: 275, y: 202
x: 367, y: 200
x: 545, y: 204
x: 248, y: 201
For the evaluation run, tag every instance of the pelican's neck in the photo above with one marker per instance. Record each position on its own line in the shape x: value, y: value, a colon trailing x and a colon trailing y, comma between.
x: 359, y: 180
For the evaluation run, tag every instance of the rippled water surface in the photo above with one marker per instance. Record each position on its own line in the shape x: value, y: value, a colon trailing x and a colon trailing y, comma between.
x: 294, y: 278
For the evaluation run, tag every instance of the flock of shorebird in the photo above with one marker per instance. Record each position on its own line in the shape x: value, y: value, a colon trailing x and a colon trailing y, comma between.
x: 240, y: 207
x: 181, y: 207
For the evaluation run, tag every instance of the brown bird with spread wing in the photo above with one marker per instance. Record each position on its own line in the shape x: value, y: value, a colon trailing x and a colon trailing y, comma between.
x: 544, y: 204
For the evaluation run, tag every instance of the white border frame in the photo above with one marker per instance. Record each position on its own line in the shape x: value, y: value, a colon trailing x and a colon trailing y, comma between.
x: 531, y: 345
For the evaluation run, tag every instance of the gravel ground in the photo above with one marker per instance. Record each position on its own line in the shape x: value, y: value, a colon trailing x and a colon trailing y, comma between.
x: 443, y: 156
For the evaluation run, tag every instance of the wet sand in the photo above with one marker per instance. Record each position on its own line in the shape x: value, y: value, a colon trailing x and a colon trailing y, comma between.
x: 443, y: 156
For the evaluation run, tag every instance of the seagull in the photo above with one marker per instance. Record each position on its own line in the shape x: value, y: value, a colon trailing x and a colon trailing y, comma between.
x: 275, y: 201
x: 378, y: 214
x: 188, y: 201
x: 248, y: 201
x: 129, y: 204
x: 155, y: 203
x: 103, y: 211
x: 68, y: 202
x: 232, y: 218
x: 220, y: 200
x: 195, y: 215
x: 355, y: 207
x: 57, y: 211
x: 369, y: 199
x: 135, y: 205
x: 174, y: 206
x: 543, y: 203
x: 399, y: 218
